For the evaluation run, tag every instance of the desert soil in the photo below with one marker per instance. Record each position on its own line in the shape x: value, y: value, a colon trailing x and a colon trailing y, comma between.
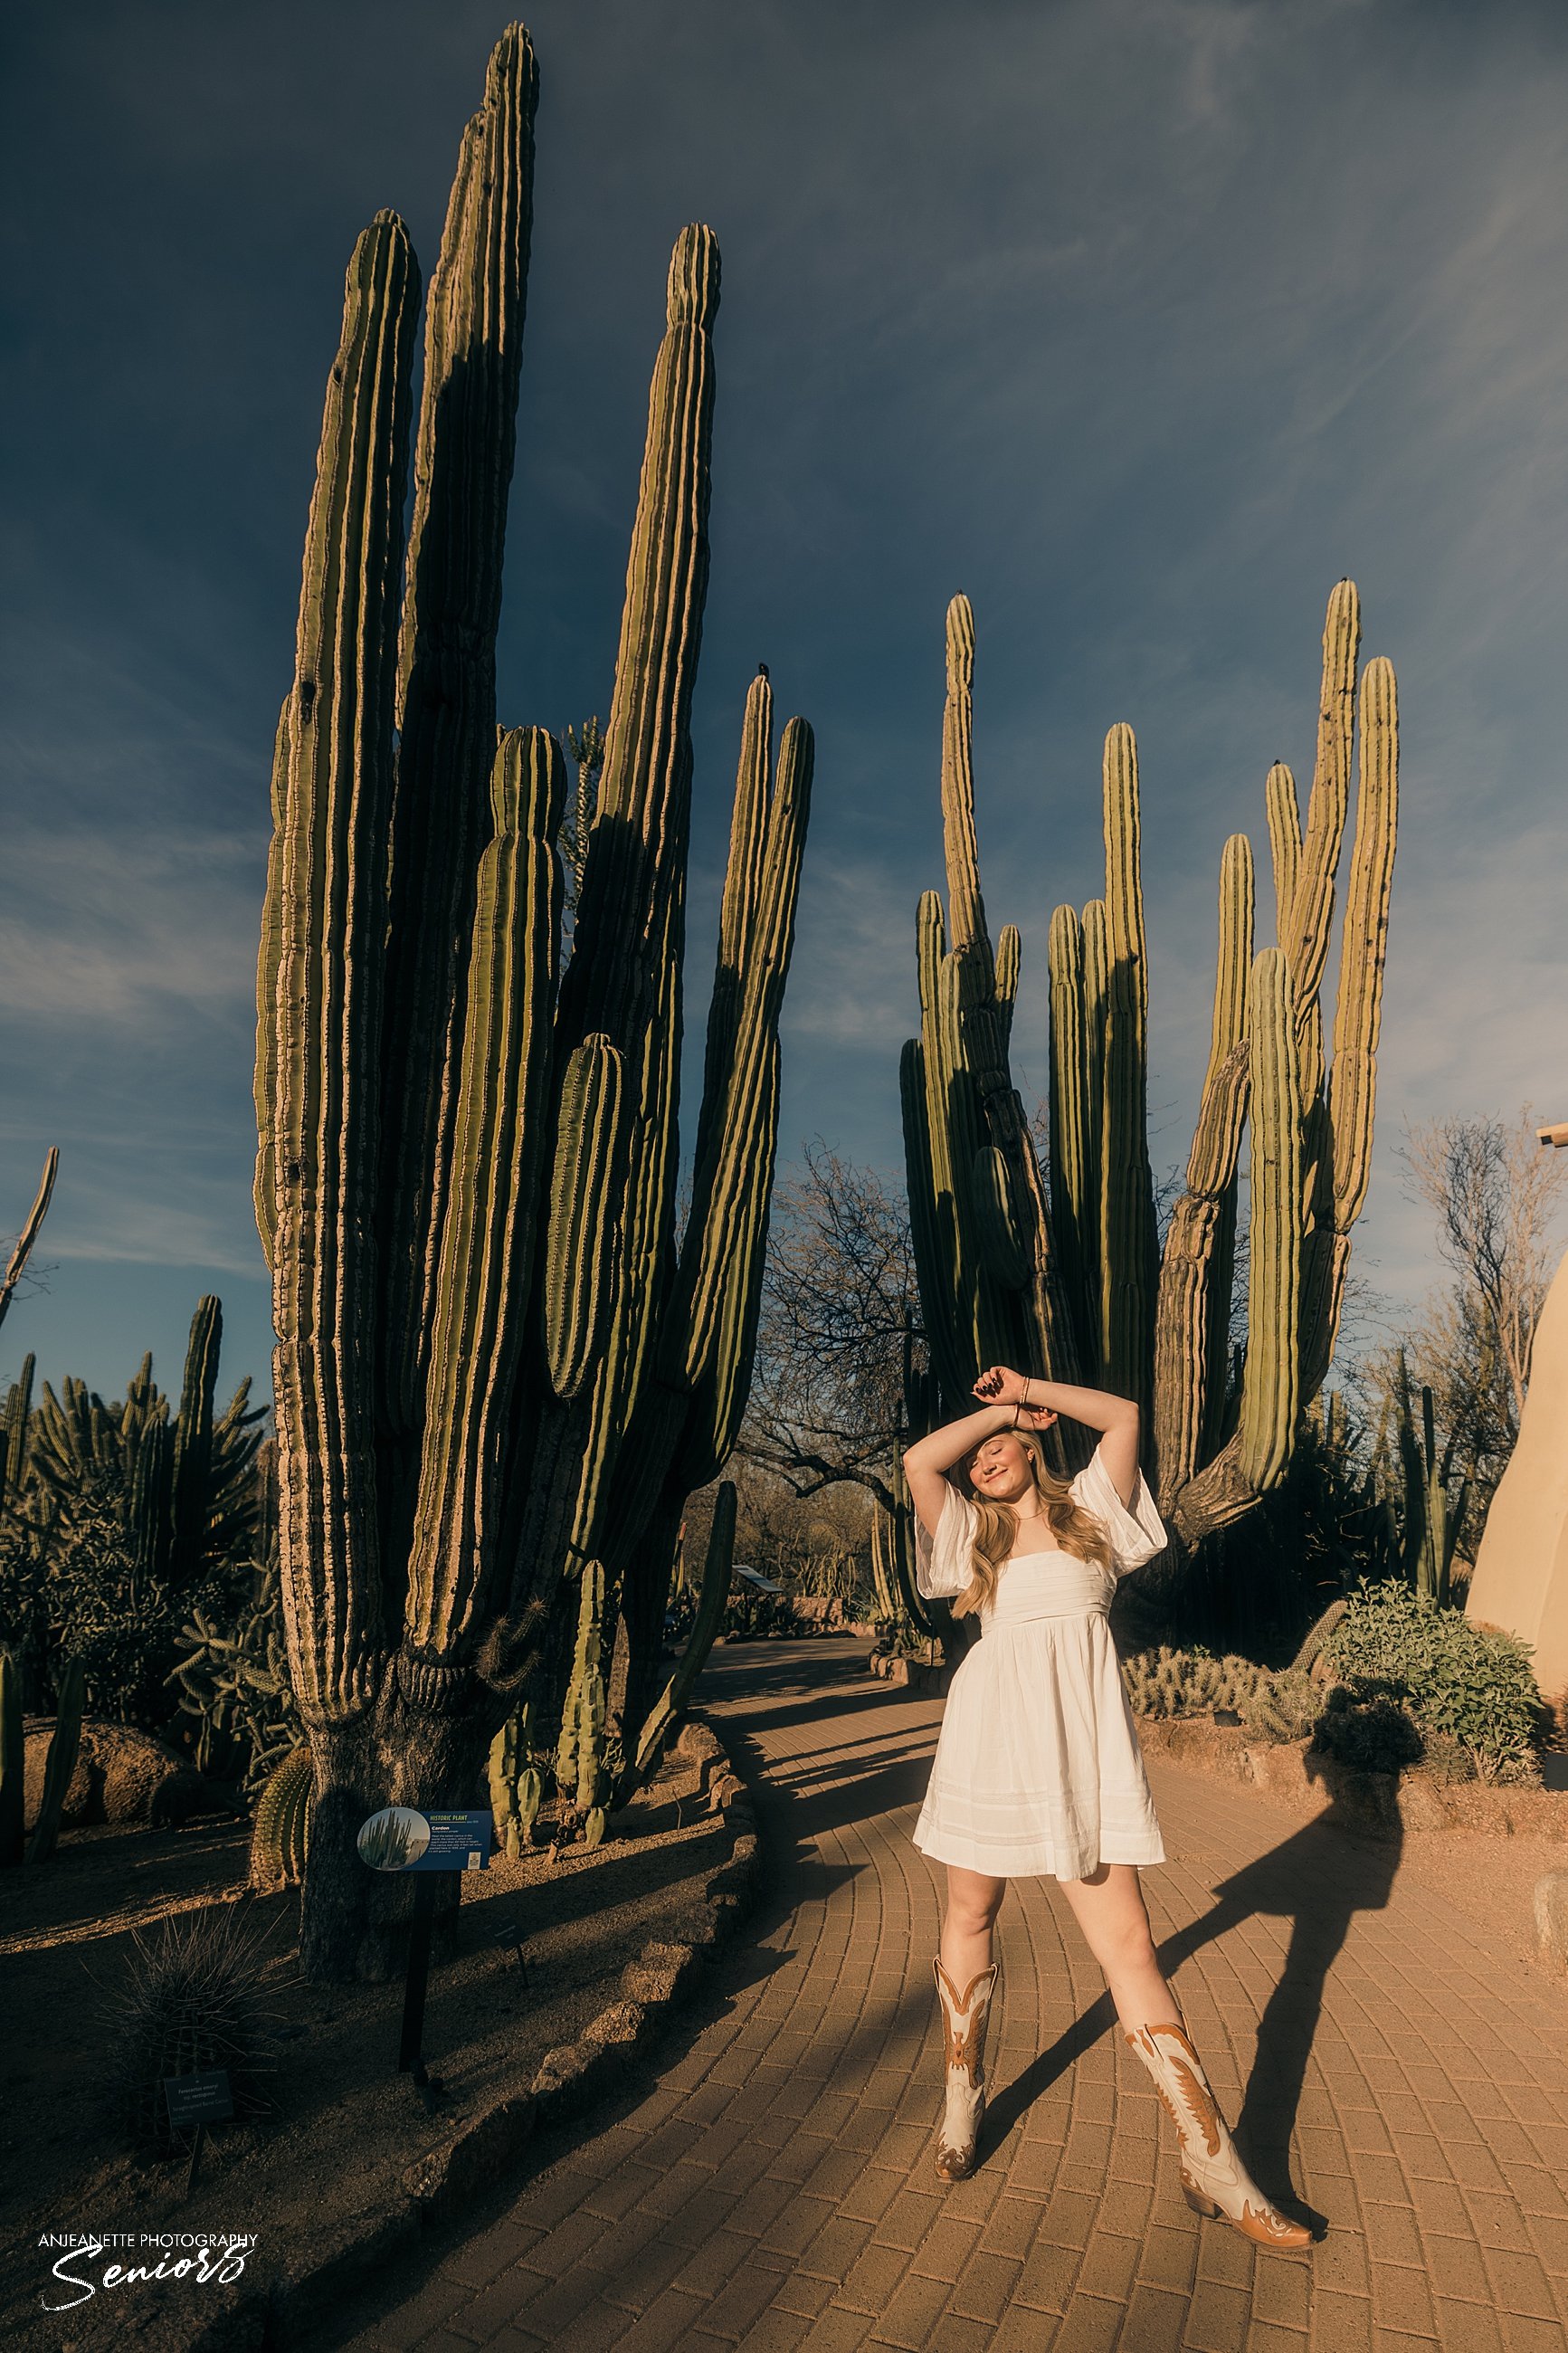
x: 344, y: 2124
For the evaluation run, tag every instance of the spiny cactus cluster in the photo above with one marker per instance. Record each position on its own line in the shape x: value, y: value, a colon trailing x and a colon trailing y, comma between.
x: 192, y: 1999
x: 234, y: 1686
x: 579, y: 1768
x: 1167, y: 1683
x: 1061, y: 1275
x: 498, y: 1360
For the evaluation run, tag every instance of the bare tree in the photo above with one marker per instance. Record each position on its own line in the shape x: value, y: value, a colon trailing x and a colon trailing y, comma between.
x: 838, y: 1296
x: 1498, y: 1199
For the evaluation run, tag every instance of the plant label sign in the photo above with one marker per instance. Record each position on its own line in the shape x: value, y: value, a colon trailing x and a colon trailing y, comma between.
x: 203, y: 2099
x: 401, y: 1838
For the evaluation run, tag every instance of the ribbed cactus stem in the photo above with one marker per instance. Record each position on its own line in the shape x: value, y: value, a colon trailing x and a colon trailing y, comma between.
x: 1305, y: 940
x: 60, y: 1762
x: 966, y: 912
x: 280, y: 1833
x: 1192, y: 1323
x: 1272, y: 1392
x: 1284, y: 814
x: 320, y: 1030
x: 579, y: 1267
x: 1358, y: 1010
x: 497, y: 1160
x: 456, y: 547
x: 1127, y: 1233
x: 192, y: 1445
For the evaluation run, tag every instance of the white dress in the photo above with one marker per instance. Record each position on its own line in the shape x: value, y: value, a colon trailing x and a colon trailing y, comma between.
x: 1038, y: 1770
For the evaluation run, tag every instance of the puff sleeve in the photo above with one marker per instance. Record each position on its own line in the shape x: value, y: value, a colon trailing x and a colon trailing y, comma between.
x: 1136, y: 1535
x: 942, y: 1561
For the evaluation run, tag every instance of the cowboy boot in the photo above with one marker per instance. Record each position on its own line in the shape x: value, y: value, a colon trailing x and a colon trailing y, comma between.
x: 963, y: 2034
x: 1213, y: 2179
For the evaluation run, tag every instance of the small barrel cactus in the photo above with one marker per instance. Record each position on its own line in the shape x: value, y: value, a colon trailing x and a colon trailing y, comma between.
x: 281, y: 1832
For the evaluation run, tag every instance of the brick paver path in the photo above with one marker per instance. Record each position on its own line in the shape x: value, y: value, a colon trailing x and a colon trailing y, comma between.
x: 774, y: 2189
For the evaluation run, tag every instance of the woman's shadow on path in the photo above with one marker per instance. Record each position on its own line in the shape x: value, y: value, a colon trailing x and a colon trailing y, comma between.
x: 1318, y: 1878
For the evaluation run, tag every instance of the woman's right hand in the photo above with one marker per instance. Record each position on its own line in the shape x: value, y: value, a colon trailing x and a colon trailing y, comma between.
x: 997, y: 1386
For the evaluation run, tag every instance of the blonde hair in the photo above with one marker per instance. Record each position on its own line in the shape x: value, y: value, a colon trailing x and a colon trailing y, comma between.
x: 1077, y: 1532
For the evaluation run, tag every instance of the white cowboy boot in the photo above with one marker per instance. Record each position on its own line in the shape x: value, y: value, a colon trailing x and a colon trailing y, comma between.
x: 963, y: 2035
x: 1213, y: 2179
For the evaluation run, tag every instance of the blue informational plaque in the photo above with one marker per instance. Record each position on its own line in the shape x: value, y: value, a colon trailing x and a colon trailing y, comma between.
x: 457, y: 1842
x: 401, y: 1838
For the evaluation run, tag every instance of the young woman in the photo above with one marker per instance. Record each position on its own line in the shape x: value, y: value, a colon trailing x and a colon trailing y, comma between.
x: 1037, y: 1771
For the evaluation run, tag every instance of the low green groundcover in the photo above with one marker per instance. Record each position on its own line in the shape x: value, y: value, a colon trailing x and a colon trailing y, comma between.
x: 1461, y: 1684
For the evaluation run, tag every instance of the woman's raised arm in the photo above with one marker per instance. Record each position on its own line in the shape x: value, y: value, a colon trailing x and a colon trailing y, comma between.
x: 1115, y: 1418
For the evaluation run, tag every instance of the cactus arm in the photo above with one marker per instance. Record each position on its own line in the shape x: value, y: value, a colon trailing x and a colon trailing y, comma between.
x: 1009, y: 961
x: 1075, y: 1209
x: 717, y: 1570
x: 462, y: 475
x: 1306, y: 939
x: 1096, y: 992
x: 1128, y: 1247
x: 59, y: 1763
x: 1358, y: 1008
x: 1270, y: 1397
x: 496, y: 1161
x: 194, y: 1444
x: 1284, y: 817
x: 965, y: 907
x: 325, y: 926
x: 1196, y: 1273
x: 579, y: 1267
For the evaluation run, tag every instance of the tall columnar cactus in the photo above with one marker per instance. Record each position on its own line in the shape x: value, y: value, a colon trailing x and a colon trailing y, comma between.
x: 1071, y: 1283
x: 497, y: 1360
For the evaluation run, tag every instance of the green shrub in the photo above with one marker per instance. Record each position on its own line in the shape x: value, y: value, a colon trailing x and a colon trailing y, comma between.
x: 1473, y: 1688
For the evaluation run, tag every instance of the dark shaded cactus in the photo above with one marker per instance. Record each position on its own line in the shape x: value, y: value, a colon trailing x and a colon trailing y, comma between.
x: 59, y: 1763
x: 12, y: 1762
x: 718, y: 1565
x: 1068, y: 1283
x: 497, y: 1361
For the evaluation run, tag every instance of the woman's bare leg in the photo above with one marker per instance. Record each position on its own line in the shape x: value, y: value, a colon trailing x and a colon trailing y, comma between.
x: 973, y: 1903
x: 1109, y: 1908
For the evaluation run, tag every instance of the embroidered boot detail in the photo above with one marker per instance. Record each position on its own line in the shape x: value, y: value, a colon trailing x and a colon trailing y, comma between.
x: 964, y: 2018
x: 1213, y: 2179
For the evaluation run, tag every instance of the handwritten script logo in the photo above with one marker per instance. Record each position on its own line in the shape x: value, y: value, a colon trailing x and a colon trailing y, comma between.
x: 207, y: 2259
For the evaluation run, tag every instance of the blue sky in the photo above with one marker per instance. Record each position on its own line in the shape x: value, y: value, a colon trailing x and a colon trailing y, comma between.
x: 1140, y: 321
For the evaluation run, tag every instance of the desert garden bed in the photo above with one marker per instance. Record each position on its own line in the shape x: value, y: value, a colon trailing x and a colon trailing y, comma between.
x: 351, y: 2153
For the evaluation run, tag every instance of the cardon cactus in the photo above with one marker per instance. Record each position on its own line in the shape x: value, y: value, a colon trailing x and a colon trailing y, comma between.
x: 13, y: 1761
x: 59, y: 1763
x: 193, y: 2000
x: 280, y: 1831
x: 1068, y: 1282
x: 498, y: 1358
